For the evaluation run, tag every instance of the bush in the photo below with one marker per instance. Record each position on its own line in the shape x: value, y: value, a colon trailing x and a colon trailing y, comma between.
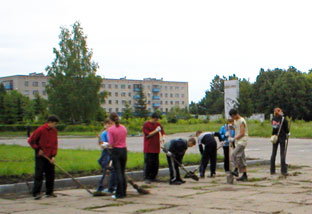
x: 82, y: 128
x: 23, y: 127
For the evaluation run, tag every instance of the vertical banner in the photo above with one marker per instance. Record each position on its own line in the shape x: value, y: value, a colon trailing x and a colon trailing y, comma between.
x: 231, y: 94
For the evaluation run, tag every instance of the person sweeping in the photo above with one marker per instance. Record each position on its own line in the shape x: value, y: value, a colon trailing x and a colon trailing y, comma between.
x: 117, y: 135
x: 44, y: 141
x: 209, y: 152
x: 241, y: 137
x: 175, y: 150
x: 281, y: 129
x: 105, y: 160
x: 226, y: 132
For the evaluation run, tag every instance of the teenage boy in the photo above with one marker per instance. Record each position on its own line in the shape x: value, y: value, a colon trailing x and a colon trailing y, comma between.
x: 241, y: 137
x: 105, y: 160
x: 226, y: 132
x: 175, y: 150
x: 44, y: 142
x: 209, y: 153
x: 152, y: 141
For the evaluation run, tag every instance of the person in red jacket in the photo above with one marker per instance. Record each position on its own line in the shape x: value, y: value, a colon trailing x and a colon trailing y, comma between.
x: 152, y: 143
x: 44, y: 142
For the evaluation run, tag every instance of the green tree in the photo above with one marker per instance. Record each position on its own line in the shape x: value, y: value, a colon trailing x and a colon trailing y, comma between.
x: 2, y: 95
x: 127, y: 112
x: 245, y: 102
x: 73, y: 89
x: 176, y: 114
x: 140, y: 105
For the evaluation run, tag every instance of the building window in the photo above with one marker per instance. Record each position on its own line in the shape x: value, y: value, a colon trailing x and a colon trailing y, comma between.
x: 110, y: 110
x: 182, y: 95
x: 166, y: 102
x: 26, y: 92
x: 116, y: 94
x: 171, y: 87
x: 171, y: 95
x: 109, y: 102
x: 123, y: 94
x: 116, y: 86
x: 177, y: 102
x: 171, y: 102
x: 161, y: 102
x: 166, y: 109
x: 177, y: 87
x: 166, y: 95
x: 44, y: 92
x: 182, y: 88
x: 177, y: 95
x: 43, y: 84
x: 26, y: 83
x: 149, y: 109
x: 117, y: 110
x: 35, y: 92
x: 129, y: 102
x: 116, y: 101
x: 109, y: 86
x: 35, y: 84
x: 129, y: 94
x: 148, y: 94
x: 123, y: 86
x: 123, y: 102
x: 103, y: 85
x: 109, y: 93
x: 161, y: 95
x: 149, y: 102
x: 166, y: 87
x: 161, y: 109
x: 183, y: 102
x: 129, y: 86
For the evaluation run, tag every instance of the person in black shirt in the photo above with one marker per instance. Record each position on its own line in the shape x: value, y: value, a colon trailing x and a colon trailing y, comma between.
x: 277, y: 121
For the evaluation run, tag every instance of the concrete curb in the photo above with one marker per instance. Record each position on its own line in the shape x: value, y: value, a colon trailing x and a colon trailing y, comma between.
x: 93, y: 180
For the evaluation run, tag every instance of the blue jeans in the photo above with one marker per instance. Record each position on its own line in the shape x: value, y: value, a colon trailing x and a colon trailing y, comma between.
x: 104, y: 163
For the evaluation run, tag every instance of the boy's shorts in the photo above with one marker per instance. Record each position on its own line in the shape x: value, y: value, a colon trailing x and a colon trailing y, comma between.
x: 238, y: 157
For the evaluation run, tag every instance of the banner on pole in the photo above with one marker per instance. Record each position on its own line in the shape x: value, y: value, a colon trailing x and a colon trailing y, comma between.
x: 231, y: 94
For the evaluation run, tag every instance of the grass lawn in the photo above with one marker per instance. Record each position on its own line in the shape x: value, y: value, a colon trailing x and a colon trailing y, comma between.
x: 17, y: 162
x: 299, y: 129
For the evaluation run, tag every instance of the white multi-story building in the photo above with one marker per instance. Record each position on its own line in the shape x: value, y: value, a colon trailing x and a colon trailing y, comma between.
x: 160, y: 95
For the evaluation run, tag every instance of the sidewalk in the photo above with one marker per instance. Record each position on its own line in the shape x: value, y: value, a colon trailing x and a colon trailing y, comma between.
x: 262, y: 194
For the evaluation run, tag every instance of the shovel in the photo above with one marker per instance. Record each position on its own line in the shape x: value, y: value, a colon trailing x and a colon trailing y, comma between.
x: 230, y: 177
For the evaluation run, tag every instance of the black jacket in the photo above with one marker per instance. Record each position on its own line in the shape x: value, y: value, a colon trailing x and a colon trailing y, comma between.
x: 276, y: 122
x: 177, y: 147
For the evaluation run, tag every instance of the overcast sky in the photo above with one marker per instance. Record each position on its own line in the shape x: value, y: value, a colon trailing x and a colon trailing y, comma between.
x: 178, y: 40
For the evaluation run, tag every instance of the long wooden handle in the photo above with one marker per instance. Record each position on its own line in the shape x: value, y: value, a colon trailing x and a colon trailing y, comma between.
x: 64, y: 171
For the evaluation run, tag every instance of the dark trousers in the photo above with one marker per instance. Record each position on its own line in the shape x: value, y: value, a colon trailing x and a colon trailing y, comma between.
x: 209, y: 154
x: 174, y: 168
x: 43, y: 166
x: 226, y: 158
x: 104, y: 163
x: 281, y: 142
x: 119, y: 157
x: 151, y: 165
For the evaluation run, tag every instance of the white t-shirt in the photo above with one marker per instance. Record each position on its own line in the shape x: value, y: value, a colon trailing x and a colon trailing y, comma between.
x: 237, y: 123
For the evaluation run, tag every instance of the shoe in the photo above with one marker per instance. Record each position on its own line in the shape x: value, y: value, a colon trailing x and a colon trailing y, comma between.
x: 272, y: 173
x: 37, y: 197
x: 156, y: 180
x: 175, y: 183
x: 243, y: 178
x: 51, y: 195
x: 285, y: 174
x: 114, y: 197
x: 182, y: 181
x: 212, y: 176
x: 235, y: 173
x: 147, y: 181
x: 106, y: 191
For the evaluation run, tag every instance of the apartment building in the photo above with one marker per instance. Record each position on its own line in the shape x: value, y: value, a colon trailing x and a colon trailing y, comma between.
x: 160, y: 95
x: 28, y: 85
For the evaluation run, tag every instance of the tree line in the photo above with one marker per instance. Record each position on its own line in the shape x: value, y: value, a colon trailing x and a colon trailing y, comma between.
x: 289, y: 89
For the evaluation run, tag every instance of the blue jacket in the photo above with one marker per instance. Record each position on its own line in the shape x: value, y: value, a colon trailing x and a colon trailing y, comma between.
x: 222, y: 132
x: 104, y: 136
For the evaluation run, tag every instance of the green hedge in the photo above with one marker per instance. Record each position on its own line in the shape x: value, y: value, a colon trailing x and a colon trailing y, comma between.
x: 23, y: 127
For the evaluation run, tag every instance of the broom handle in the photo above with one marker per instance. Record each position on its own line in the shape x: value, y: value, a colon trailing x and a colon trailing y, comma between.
x: 64, y: 171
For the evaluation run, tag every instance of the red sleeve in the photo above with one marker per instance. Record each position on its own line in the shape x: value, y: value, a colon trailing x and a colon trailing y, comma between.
x: 34, y: 138
x: 146, y: 130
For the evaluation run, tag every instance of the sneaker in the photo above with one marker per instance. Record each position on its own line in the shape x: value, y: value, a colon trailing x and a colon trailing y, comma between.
x: 37, y: 197
x: 243, y: 178
x: 114, y: 197
x: 235, y: 173
x: 175, y: 183
x: 182, y: 181
x: 147, y: 181
x: 51, y: 195
x: 212, y: 175
x: 106, y: 191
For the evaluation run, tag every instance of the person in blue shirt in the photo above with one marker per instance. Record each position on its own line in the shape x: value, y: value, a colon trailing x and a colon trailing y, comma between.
x: 105, y: 160
x: 226, y: 132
